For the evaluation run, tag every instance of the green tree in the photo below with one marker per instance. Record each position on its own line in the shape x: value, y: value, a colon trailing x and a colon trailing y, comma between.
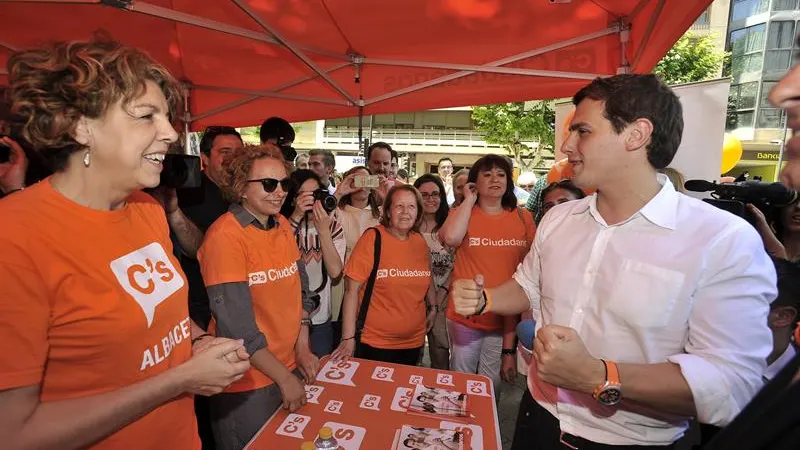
x: 512, y: 125
x: 692, y: 58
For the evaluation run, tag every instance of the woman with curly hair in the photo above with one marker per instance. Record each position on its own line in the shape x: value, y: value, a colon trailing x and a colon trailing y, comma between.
x: 96, y: 345
x: 258, y: 290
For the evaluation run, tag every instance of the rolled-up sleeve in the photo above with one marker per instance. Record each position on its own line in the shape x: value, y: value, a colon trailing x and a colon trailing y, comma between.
x: 729, y: 340
x: 527, y: 276
x: 232, y: 307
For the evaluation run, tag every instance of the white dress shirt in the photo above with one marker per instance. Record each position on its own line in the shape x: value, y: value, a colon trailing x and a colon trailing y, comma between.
x: 680, y: 281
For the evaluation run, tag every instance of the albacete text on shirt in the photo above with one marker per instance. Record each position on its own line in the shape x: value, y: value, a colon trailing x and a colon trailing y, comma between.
x: 160, y: 352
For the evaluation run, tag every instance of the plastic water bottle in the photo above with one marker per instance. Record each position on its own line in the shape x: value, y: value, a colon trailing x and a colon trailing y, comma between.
x: 325, y: 440
x: 308, y: 445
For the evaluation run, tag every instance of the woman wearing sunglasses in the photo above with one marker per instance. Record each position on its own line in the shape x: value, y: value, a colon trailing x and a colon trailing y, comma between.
x: 257, y: 288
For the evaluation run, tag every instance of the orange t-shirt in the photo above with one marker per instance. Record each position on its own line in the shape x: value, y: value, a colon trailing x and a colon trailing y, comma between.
x: 93, y: 301
x: 493, y: 246
x: 396, y: 316
x: 267, y: 261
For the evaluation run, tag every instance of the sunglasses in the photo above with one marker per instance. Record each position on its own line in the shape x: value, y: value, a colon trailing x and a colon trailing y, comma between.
x: 270, y: 184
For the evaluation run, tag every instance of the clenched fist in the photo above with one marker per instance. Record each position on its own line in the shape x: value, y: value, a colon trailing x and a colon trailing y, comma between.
x: 563, y: 360
x: 467, y: 295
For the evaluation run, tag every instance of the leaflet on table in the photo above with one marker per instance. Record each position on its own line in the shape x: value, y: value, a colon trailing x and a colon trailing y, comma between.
x: 430, y: 401
x: 416, y: 438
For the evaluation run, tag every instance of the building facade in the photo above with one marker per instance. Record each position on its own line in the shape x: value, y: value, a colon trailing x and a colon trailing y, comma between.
x: 761, y: 40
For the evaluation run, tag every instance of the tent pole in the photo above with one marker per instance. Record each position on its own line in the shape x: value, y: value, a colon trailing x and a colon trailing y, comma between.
x: 187, y: 122
x: 361, y: 149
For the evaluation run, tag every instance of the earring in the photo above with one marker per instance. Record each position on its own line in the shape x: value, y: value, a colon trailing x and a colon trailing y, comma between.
x: 87, y: 159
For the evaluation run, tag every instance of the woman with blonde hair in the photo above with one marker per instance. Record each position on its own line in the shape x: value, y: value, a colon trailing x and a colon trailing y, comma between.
x: 96, y: 345
x: 258, y: 291
x: 396, y: 290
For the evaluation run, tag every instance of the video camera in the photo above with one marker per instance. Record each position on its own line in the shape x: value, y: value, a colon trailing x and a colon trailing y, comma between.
x: 733, y: 197
x: 181, y: 171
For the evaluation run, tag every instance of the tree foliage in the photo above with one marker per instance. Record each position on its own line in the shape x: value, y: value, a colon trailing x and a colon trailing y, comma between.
x: 692, y: 58
x: 515, y: 126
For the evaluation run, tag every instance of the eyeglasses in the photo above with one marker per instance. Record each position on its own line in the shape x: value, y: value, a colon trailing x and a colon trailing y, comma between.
x: 270, y: 184
x: 432, y: 196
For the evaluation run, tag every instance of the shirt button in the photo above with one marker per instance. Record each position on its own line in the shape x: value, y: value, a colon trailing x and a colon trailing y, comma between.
x: 579, y: 310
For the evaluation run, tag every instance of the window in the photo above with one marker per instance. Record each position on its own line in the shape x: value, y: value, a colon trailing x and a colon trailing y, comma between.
x: 784, y: 5
x: 744, y: 119
x: 742, y: 9
x: 765, y: 88
x: 702, y: 22
x: 780, y: 40
x: 770, y: 118
x: 743, y: 104
x: 746, y: 52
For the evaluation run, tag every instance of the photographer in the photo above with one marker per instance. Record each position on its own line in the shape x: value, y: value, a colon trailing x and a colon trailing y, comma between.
x: 320, y: 239
x: 279, y: 132
x: 323, y: 163
x: 781, y: 235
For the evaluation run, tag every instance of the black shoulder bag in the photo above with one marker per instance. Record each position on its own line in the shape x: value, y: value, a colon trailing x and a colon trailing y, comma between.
x: 362, y: 312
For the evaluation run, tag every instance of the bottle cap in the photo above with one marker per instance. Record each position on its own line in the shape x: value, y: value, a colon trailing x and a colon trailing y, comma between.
x: 325, y: 432
x: 307, y: 446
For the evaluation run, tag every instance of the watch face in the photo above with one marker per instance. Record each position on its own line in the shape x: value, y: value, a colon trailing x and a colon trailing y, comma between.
x: 610, y: 396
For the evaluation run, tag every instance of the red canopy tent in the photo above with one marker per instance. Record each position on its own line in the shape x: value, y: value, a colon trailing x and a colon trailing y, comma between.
x: 245, y: 60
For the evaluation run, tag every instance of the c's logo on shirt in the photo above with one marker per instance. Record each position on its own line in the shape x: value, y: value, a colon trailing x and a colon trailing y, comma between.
x: 148, y: 276
x: 262, y: 277
x: 402, y: 273
x: 487, y: 242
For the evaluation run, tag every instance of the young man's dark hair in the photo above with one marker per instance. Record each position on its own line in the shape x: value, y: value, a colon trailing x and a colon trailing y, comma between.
x: 279, y: 132
x: 211, y: 133
x: 327, y: 156
x: 631, y: 97
x: 444, y: 158
x: 383, y: 145
x: 788, y: 288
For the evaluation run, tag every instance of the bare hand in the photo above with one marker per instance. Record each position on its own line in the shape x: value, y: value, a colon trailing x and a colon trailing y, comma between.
x: 12, y: 173
x: 303, y: 204
x: 470, y: 191
x: 771, y: 242
x: 322, y: 219
x: 347, y: 186
x: 508, y: 368
x: 467, y: 295
x: 383, y: 187
x: 308, y: 364
x: 210, y: 341
x: 344, y: 351
x: 210, y: 372
x: 562, y: 359
x: 292, y: 392
x: 168, y: 198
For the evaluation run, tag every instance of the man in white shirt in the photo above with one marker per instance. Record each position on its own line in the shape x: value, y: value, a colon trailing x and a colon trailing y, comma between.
x: 651, y: 306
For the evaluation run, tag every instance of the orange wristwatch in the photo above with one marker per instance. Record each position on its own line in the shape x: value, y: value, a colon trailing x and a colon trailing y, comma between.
x: 609, y: 393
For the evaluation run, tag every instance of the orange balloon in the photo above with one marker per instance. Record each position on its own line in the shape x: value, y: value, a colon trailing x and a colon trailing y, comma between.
x: 561, y: 170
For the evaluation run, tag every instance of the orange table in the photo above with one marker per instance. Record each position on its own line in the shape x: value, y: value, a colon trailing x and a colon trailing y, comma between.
x: 365, y: 403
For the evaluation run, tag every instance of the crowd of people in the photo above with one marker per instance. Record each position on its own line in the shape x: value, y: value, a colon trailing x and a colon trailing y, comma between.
x: 181, y: 318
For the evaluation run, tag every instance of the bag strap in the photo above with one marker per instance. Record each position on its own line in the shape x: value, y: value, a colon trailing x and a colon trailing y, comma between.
x: 362, y: 313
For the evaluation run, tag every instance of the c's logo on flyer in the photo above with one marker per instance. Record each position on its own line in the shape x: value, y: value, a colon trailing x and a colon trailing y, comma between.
x: 340, y: 372
x: 293, y: 426
x: 147, y: 275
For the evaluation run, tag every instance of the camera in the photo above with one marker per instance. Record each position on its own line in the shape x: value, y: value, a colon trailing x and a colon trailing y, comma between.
x: 733, y: 197
x: 327, y: 200
x: 180, y: 171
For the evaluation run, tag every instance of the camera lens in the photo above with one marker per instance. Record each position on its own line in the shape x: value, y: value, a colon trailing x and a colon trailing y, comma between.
x: 329, y: 203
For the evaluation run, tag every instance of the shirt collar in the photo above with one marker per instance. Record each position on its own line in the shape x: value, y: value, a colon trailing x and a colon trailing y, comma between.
x: 244, y: 218
x: 661, y: 210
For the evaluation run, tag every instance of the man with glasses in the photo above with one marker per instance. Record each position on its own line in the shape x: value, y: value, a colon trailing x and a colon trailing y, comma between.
x: 279, y: 132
